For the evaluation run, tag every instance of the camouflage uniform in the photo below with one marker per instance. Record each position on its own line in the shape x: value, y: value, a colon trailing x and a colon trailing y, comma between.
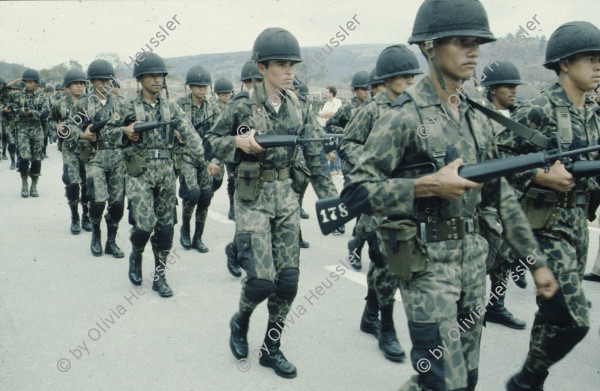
x: 267, y: 228
x: 451, y: 285
x: 195, y: 185
x: 151, y: 194
x: 30, y: 135
x: 104, y: 165
x: 561, y: 322
x: 337, y: 123
x: 351, y: 148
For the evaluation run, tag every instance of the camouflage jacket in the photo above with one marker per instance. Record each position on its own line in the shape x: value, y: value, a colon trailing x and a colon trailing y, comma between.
x: 196, y: 114
x: 379, y: 186
x: 36, y: 102
x: 158, y: 138
x: 266, y: 120
x: 60, y: 111
x: 540, y: 114
x: 340, y: 119
x: 358, y: 129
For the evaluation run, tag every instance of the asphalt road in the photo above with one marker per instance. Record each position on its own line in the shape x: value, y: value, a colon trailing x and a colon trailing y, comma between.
x: 70, y: 321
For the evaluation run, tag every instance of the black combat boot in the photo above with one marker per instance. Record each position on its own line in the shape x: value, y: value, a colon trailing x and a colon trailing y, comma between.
x: 75, y: 228
x: 388, y: 341
x: 184, y: 232
x: 24, y: 186
x: 238, y: 341
x: 231, y: 214
x: 303, y: 214
x: 13, y: 160
x: 527, y: 381
x: 355, y: 245
x: 520, y: 281
x: 197, y: 239
x: 369, y: 322
x: 33, y: 190
x: 232, y: 262
x: 303, y: 243
x: 96, y: 244
x: 111, y: 247
x: 495, y: 312
x: 160, y: 285
x: 135, y: 267
x: 86, y: 224
x: 273, y: 358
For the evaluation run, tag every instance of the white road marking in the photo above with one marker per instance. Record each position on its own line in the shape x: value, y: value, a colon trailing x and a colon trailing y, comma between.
x: 358, y: 278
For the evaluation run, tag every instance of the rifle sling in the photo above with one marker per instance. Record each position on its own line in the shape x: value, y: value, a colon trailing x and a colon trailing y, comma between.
x: 533, y: 137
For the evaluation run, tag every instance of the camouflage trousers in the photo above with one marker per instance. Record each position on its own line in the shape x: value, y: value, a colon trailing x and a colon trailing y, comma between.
x: 267, y: 230
x: 195, y: 189
x: 106, y: 182
x: 500, y: 270
x: 378, y: 277
x: 561, y: 322
x: 30, y: 142
x: 217, y: 180
x: 74, y: 175
x: 444, y: 307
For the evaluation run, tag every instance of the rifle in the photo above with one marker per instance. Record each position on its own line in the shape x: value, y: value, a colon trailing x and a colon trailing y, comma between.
x: 277, y: 140
x: 145, y: 126
x: 479, y: 172
x: 202, y: 124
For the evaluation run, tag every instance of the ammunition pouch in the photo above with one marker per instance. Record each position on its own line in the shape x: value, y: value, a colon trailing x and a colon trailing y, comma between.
x: 135, y: 161
x: 405, y: 252
x: 177, y: 155
x: 277, y: 174
x: 249, y: 181
x: 490, y: 228
x: 539, y: 206
x: 86, y: 151
x: 300, y: 176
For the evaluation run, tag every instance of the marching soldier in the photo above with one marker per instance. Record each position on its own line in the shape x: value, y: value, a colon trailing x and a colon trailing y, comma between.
x: 73, y: 167
x: 396, y: 67
x: 224, y: 91
x: 196, y: 179
x: 249, y: 70
x: 33, y: 107
x: 9, y: 118
x: 150, y: 179
x: 375, y: 85
x: 104, y: 165
x: 266, y: 197
x: 432, y: 228
x: 555, y: 202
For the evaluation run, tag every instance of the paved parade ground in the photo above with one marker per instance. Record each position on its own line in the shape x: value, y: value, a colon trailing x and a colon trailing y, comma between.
x: 70, y: 321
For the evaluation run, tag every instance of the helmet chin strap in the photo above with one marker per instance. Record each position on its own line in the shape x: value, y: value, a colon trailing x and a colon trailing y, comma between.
x: 438, y: 73
x: 478, y: 85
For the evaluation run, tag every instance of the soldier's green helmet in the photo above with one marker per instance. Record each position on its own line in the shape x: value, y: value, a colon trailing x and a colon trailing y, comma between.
x: 223, y: 85
x: 303, y: 90
x: 276, y: 43
x: 504, y: 72
x: 152, y: 63
x: 373, y: 81
x: 74, y: 75
x: 198, y: 76
x: 31, y: 74
x: 360, y: 80
x: 250, y: 68
x: 58, y: 87
x: 49, y: 88
x: 42, y: 84
x: 397, y: 60
x: 570, y: 39
x: 451, y: 18
x: 100, y: 69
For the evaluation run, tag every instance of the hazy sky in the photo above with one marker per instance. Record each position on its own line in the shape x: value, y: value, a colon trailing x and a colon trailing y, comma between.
x: 43, y: 34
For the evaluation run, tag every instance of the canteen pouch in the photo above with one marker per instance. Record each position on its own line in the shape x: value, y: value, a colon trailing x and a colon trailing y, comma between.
x: 539, y: 206
x: 405, y: 252
x: 86, y: 151
x: 490, y: 228
x: 248, y: 181
x: 135, y: 161
x: 177, y: 156
x: 300, y: 175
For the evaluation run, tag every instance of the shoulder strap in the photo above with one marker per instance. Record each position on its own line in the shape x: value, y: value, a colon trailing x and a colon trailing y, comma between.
x: 187, y: 107
x: 534, y: 137
x: 138, y: 107
x: 165, y: 112
x: 63, y: 109
x: 296, y: 111
x: 92, y: 107
x: 563, y: 124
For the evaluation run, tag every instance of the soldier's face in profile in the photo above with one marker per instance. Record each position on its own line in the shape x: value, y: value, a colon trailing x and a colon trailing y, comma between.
x: 583, y: 70
x: 278, y: 75
x: 361, y: 94
x: 378, y: 88
x: 224, y: 97
x: 199, y: 91
x: 457, y: 56
x: 40, y: 89
x: 152, y: 83
x: 504, y: 95
x: 400, y: 83
x: 30, y: 86
x: 76, y: 88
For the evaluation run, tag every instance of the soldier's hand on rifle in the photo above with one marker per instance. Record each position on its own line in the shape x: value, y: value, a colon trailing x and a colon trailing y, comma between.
x: 213, y: 169
x: 87, y: 135
x: 545, y: 282
x: 557, y: 178
x: 247, y: 143
x: 130, y: 133
x: 6, y: 109
x: 60, y: 126
x: 446, y: 183
x: 178, y: 136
